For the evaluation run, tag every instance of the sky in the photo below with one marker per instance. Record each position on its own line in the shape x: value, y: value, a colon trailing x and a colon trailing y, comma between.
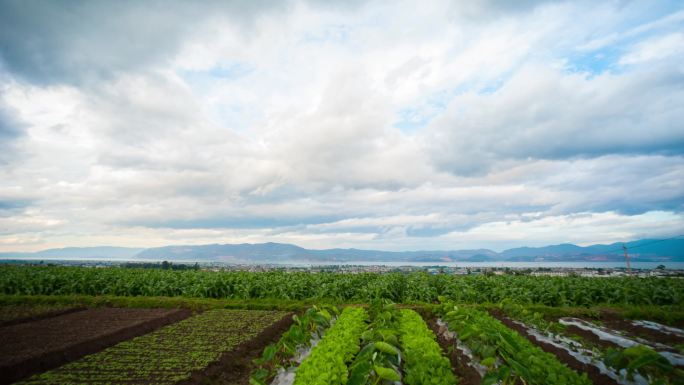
x: 392, y: 125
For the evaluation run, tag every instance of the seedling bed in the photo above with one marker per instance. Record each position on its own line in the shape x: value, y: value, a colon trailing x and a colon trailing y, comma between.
x: 33, y: 347
x: 16, y: 314
x: 173, y: 354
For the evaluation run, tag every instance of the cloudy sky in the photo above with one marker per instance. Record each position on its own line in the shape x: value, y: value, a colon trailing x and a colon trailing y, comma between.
x: 396, y: 125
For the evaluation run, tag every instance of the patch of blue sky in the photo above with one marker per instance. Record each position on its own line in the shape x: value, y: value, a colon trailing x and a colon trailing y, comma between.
x: 659, y: 19
x: 595, y: 62
x: 414, y: 118
x: 330, y: 34
x: 231, y: 71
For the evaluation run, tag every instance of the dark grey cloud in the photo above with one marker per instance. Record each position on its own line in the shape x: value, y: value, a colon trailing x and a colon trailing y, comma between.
x: 236, y: 222
x: 11, y: 129
x: 542, y: 114
x: 74, y: 40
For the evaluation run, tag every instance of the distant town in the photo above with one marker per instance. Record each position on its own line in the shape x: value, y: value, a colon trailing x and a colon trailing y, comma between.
x: 659, y: 271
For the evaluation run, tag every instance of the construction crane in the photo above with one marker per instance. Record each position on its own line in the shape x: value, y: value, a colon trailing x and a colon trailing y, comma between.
x: 629, y: 268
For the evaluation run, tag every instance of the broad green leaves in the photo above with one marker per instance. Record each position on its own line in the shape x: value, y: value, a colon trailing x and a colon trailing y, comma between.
x: 424, y: 362
x: 327, y: 364
x: 508, y: 356
x: 364, y: 287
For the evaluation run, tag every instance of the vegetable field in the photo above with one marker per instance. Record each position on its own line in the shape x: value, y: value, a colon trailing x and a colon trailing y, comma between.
x: 167, y: 356
x: 365, y: 287
x: 348, y: 329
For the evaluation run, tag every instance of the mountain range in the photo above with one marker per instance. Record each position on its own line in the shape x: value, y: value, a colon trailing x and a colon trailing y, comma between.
x: 644, y: 250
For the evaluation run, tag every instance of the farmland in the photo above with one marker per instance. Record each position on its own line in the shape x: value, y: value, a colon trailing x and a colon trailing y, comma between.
x: 169, y: 355
x: 397, y: 287
x: 296, y: 328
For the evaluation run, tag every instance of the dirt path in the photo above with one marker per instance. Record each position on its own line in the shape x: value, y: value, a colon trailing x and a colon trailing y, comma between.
x: 33, y: 347
x: 467, y: 375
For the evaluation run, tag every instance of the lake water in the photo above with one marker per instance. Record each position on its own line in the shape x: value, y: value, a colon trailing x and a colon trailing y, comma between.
x: 499, y: 264
x: 518, y: 265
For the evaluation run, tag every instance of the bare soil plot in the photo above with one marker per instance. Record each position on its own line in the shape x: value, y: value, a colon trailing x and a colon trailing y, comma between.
x: 15, y: 314
x: 37, y: 346
x: 177, y: 353
x: 628, y: 328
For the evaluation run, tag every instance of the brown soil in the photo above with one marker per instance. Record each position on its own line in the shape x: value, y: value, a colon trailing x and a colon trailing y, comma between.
x: 235, y: 367
x: 612, y: 321
x: 40, y: 316
x: 467, y: 375
x: 34, y: 347
x: 590, y: 338
x: 594, y: 374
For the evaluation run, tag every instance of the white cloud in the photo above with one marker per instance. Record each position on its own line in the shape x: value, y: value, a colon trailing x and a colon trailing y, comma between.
x: 284, y: 124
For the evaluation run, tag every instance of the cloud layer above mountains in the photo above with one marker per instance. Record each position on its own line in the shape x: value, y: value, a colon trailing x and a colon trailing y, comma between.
x: 385, y: 125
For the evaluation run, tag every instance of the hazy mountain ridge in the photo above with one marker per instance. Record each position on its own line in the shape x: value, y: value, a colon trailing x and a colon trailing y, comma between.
x: 647, y: 250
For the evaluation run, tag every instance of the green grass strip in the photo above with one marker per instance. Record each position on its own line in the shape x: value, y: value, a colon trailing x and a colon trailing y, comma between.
x: 423, y: 359
x: 168, y: 355
x: 327, y: 364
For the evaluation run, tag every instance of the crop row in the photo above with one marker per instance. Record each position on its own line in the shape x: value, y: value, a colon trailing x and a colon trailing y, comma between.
x: 366, y: 287
x: 629, y: 362
x: 282, y: 355
x: 168, y: 355
x: 379, y: 346
x: 327, y: 363
x: 506, y: 355
x: 424, y: 362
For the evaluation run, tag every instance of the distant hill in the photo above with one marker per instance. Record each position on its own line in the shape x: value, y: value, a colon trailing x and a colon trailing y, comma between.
x: 646, y: 250
x: 104, y: 252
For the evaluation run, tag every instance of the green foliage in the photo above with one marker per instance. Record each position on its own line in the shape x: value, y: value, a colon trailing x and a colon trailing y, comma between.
x: 365, y: 287
x: 379, y: 359
x: 509, y: 356
x: 314, y: 321
x: 646, y: 362
x: 327, y: 364
x: 424, y: 362
x: 168, y: 355
x: 530, y: 317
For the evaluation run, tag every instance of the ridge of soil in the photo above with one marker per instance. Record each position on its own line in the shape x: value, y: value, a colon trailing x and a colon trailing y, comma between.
x: 234, y: 367
x: 38, y: 317
x: 626, y: 326
x: 467, y: 375
x: 594, y: 374
x: 35, y: 347
x: 591, y: 338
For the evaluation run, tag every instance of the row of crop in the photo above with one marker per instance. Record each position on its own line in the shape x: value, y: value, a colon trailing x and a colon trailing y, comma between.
x: 379, y: 346
x: 397, y: 287
x: 626, y: 363
x: 327, y: 364
x: 424, y: 362
x: 168, y: 355
x: 282, y: 354
x: 507, y: 356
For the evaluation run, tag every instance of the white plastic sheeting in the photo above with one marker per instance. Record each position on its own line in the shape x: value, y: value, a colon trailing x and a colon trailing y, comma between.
x: 287, y: 376
x: 659, y: 327
x: 613, y: 336
x: 451, y: 336
x: 583, y: 355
